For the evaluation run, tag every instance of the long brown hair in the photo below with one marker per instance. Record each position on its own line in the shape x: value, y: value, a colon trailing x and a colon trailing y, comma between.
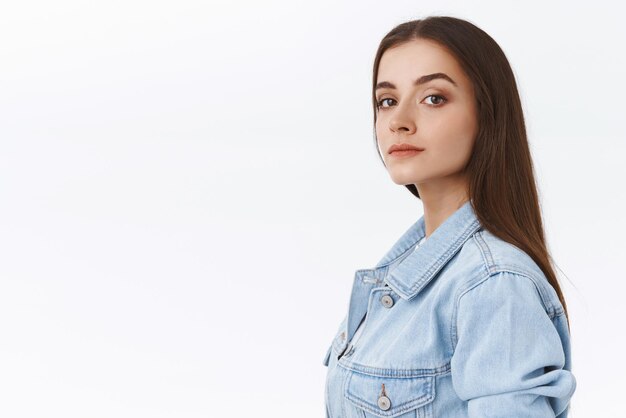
x: 502, y: 186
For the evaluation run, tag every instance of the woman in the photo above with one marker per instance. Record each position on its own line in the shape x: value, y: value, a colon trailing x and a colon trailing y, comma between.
x: 463, y: 317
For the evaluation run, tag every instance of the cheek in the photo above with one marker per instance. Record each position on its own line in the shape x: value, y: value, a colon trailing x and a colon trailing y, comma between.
x: 453, y: 140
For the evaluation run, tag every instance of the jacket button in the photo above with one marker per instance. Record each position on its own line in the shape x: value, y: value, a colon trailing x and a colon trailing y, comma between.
x: 387, y: 301
x: 384, y: 403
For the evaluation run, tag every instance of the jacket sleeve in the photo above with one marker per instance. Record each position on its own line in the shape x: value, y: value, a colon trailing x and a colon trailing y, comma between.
x: 510, y: 356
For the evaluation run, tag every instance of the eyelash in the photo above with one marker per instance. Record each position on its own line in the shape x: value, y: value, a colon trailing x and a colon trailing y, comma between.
x: 444, y: 100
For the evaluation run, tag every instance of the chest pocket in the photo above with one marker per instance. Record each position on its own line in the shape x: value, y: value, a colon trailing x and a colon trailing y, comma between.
x: 376, y: 396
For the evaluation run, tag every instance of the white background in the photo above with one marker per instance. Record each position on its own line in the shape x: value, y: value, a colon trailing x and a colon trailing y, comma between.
x: 186, y: 190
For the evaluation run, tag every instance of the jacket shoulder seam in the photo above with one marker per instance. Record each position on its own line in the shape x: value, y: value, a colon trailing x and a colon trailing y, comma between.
x: 472, y: 284
x: 485, y: 252
x: 494, y: 268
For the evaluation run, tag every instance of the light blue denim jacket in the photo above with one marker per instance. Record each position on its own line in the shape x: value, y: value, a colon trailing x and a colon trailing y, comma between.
x: 466, y: 325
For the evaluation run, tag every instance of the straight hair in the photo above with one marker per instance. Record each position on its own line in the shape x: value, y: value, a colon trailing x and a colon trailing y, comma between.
x: 502, y: 187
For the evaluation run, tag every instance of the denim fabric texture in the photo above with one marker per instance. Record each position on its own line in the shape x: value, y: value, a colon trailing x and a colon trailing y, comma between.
x: 465, y: 325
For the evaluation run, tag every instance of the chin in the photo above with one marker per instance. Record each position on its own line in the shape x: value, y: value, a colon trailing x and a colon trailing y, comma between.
x: 402, y: 180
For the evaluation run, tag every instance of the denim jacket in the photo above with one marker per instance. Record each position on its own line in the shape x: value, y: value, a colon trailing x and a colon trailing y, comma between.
x: 465, y: 325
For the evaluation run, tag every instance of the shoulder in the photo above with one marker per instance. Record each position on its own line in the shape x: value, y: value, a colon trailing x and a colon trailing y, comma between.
x: 508, y: 268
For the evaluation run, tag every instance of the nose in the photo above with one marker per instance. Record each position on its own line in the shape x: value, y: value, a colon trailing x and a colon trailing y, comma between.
x: 403, y: 119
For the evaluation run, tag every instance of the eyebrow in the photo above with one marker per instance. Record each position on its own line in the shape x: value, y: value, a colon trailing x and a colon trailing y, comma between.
x: 422, y: 80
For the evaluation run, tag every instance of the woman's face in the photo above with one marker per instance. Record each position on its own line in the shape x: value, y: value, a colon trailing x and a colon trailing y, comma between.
x: 437, y: 116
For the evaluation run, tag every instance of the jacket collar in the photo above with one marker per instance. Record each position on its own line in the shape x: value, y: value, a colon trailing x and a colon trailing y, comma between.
x: 420, y: 266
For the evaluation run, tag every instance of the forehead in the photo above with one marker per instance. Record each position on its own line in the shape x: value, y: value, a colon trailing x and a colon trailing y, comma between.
x: 404, y: 63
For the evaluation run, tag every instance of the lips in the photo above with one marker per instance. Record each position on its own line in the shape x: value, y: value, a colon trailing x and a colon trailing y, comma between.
x: 404, y: 147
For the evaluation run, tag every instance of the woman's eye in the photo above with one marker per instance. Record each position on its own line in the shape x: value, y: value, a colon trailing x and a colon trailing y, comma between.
x: 443, y: 99
x: 380, y: 102
x: 440, y: 100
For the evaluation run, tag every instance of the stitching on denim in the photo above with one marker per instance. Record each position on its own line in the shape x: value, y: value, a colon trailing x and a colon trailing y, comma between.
x: 412, y: 243
x: 462, y: 289
x: 550, y: 311
x: 453, y: 333
x: 426, y: 411
x: 428, y: 408
x: 485, y: 251
x: 481, y: 251
x: 390, y: 262
x: 406, y: 406
x: 397, y: 373
x: 545, y: 299
x: 446, y: 256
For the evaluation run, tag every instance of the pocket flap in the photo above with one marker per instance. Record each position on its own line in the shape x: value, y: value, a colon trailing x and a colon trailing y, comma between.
x: 403, y: 393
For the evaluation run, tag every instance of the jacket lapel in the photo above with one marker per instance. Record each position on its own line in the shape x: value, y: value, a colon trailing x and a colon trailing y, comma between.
x: 419, y: 268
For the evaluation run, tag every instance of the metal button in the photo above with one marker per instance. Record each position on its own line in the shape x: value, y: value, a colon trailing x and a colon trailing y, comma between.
x: 387, y: 301
x: 384, y: 403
